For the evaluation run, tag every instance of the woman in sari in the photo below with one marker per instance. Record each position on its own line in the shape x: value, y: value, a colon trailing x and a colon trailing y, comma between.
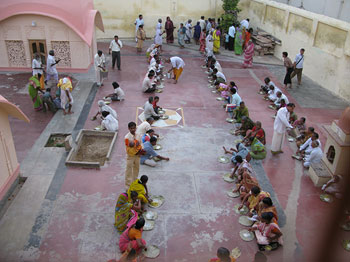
x: 188, y: 34
x: 268, y: 234
x: 257, y: 132
x: 141, y: 36
x: 181, y: 35
x: 248, y: 54
x: 247, y: 124
x: 202, y: 41
x: 169, y: 28
x: 266, y: 205
x: 247, y: 37
x: 126, y: 211
x: 240, y: 112
x: 238, y: 42
x: 253, y: 198
x: 258, y: 150
x: 216, y: 37
x: 34, y: 89
x: 139, y: 186
x: 132, y: 237
x: 197, y: 33
x: 246, y: 184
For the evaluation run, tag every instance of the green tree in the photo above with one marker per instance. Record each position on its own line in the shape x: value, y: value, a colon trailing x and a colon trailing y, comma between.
x: 230, y: 15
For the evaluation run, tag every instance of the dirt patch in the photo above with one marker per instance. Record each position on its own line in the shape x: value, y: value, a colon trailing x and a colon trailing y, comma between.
x: 93, y: 149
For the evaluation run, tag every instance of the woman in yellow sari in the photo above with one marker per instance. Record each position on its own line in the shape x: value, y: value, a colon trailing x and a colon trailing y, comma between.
x: 216, y: 37
x: 139, y: 186
x: 126, y: 211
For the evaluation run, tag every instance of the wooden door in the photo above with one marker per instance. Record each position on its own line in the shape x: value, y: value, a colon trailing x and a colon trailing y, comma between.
x: 38, y: 46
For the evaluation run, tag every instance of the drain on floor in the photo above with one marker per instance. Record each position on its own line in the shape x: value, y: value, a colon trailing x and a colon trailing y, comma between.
x: 56, y: 140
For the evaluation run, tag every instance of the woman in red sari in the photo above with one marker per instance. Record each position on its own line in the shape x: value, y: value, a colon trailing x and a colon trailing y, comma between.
x: 202, y: 41
x: 169, y: 27
x: 248, y: 54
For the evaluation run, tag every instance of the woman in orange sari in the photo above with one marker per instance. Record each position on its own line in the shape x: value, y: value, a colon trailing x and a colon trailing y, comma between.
x: 248, y: 35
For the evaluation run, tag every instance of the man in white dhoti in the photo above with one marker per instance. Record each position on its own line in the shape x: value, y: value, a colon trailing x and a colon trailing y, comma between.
x: 51, y: 71
x: 99, y: 63
x: 158, y: 40
x: 279, y: 128
x: 139, y: 21
x: 315, y: 155
x: 109, y: 123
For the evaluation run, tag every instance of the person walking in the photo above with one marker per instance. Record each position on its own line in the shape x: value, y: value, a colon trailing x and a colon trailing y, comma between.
x: 288, y: 64
x: 115, y: 47
x: 298, y: 66
x: 99, y: 62
x: 231, y: 34
x: 51, y: 71
x: 169, y: 27
x: 280, y: 126
x: 139, y: 21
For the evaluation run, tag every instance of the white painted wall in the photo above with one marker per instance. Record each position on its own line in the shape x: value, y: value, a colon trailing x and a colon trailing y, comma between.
x: 339, y: 9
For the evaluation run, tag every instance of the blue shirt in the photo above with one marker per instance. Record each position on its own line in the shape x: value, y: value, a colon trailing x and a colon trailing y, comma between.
x: 147, y: 146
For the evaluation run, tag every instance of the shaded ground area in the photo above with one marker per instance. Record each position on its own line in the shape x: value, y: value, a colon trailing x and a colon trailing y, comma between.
x: 76, y: 222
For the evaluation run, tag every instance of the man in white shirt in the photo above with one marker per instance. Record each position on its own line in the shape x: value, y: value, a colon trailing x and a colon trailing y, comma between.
x: 279, y: 98
x: 149, y: 110
x: 245, y: 23
x: 145, y: 126
x: 36, y: 65
x: 147, y: 84
x: 115, y: 47
x: 236, y: 99
x: 219, y: 74
x: 298, y: 66
x: 99, y: 62
x: 109, y: 123
x: 202, y: 23
x: 231, y: 34
x: 209, y: 44
x: 315, y: 155
x: 51, y: 71
x: 272, y: 94
x: 177, y: 65
x: 279, y: 128
x: 139, y: 21
x: 305, y: 149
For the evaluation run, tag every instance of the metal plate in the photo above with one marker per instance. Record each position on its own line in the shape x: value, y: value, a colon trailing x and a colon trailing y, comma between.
x: 151, y: 252
x: 227, y: 178
x: 220, y: 98
x: 223, y: 159
x: 326, y: 198
x: 157, y: 147
x: 233, y: 194
x: 346, y: 245
x: 150, y: 215
x: 243, y: 220
x: 161, y: 112
x: 157, y: 201
x: 243, y: 211
x: 149, y: 225
x: 246, y: 235
x: 164, y: 117
x: 159, y: 91
x: 236, y: 253
x: 230, y: 120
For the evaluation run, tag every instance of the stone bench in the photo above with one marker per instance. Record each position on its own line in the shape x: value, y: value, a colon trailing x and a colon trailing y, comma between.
x: 319, y: 174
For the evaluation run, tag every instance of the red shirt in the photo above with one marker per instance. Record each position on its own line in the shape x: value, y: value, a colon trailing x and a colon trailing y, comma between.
x: 154, y: 103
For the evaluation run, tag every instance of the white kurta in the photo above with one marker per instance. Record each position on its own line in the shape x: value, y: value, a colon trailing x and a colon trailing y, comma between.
x: 273, y: 93
x: 158, y: 40
x: 36, y: 64
x: 110, y: 123
x: 314, y: 157
x: 99, y: 61
x: 51, y: 70
x: 279, y: 129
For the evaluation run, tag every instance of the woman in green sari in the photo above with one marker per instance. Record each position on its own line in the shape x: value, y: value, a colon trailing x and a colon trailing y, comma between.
x: 33, y: 89
x: 257, y: 149
x: 238, y: 42
x: 125, y: 211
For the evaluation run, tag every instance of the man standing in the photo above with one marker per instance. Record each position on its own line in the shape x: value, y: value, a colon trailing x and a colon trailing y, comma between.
x: 231, y: 34
x: 298, y: 65
x: 202, y: 23
x: 139, y: 21
x: 115, y: 47
x: 51, y: 71
x: 36, y: 65
x: 133, y: 151
x: 279, y: 128
x: 245, y: 23
x: 99, y: 63
x: 177, y: 65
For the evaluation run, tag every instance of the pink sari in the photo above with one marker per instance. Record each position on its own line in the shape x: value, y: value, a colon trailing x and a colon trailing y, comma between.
x: 202, y: 42
x: 248, y: 54
x: 264, y: 231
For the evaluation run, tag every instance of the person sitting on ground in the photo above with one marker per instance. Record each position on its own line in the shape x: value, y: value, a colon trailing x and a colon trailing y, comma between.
x: 257, y: 149
x: 266, y: 205
x: 103, y: 107
x: 140, y: 187
x: 315, y: 155
x: 264, y: 89
x: 144, y: 126
x: 240, y: 150
x: 220, y: 76
x: 126, y: 210
x: 335, y: 186
x: 253, y: 198
x: 235, y: 98
x: 298, y: 127
x: 118, y: 94
x: 57, y: 101
x: 147, y: 159
x: 240, y: 111
x: 246, y: 184
x: 304, y: 136
x: 155, y: 106
x: 147, y: 84
x: 293, y: 117
x: 149, y: 111
x: 256, y: 132
x: 48, y: 102
x: 223, y: 255
x: 133, y: 236
x: 268, y: 234
x: 242, y: 165
x: 154, y: 59
x: 277, y: 104
x: 246, y: 125
x: 146, y: 137
x: 272, y: 94
x: 216, y: 64
x: 109, y: 123
x: 305, y: 149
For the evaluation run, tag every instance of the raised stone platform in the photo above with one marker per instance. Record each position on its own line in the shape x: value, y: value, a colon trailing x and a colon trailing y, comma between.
x: 319, y: 174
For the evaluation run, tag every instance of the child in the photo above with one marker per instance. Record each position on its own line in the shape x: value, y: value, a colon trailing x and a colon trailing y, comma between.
x: 48, y: 102
x: 223, y: 255
x: 118, y: 94
x: 155, y: 106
